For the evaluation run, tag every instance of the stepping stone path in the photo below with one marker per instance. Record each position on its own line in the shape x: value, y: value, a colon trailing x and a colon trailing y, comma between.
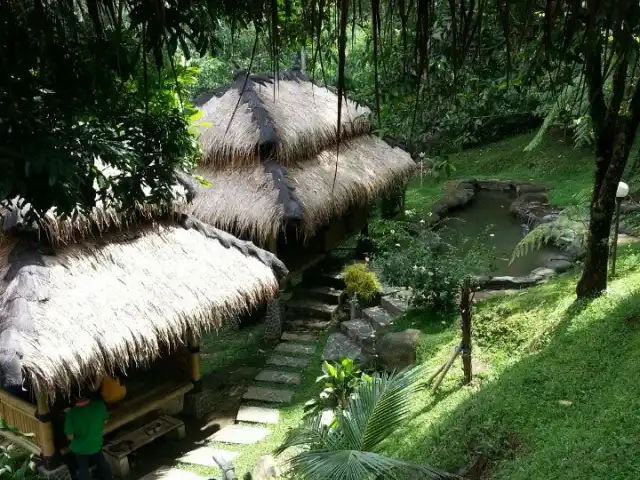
x: 204, y: 456
x: 261, y: 401
x: 274, y: 376
x: 167, y: 473
x: 240, y: 434
x: 295, y: 348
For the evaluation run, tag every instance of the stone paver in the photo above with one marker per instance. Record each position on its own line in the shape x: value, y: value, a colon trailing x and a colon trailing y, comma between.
x: 298, y: 337
x: 361, y: 332
x: 272, y: 395
x: 290, y: 362
x: 339, y: 346
x: 276, y: 376
x: 240, y: 434
x: 395, y: 305
x: 329, y: 295
x: 311, y: 308
x: 168, y: 473
x: 204, y: 456
x: 295, y: 349
x: 379, y: 318
x: 249, y: 413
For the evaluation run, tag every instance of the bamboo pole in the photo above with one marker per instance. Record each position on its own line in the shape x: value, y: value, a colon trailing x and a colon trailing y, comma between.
x: 193, y: 343
x: 46, y: 427
x: 446, y: 367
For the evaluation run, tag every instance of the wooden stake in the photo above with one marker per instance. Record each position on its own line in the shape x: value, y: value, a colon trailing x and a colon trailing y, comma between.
x: 466, y: 304
x: 446, y: 367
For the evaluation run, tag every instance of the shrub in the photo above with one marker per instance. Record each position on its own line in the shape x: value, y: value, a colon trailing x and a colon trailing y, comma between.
x: 361, y: 282
x: 339, y: 380
x: 431, y: 268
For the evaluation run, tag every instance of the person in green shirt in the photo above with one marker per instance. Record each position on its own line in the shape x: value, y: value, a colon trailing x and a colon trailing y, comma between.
x: 83, y: 426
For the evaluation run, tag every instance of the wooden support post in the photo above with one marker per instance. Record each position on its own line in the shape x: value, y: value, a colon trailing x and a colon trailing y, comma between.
x: 272, y: 245
x: 46, y: 430
x: 193, y: 343
x: 466, y: 304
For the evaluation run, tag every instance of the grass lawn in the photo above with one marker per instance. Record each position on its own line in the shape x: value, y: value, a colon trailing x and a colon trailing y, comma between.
x: 556, y: 393
x: 567, y: 170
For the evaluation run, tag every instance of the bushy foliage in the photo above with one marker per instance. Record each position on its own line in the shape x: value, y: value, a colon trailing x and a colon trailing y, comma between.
x: 339, y: 380
x: 432, y: 268
x: 76, y: 103
x: 361, y: 282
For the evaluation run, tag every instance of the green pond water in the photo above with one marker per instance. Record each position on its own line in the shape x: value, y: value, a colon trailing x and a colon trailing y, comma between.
x: 488, y: 219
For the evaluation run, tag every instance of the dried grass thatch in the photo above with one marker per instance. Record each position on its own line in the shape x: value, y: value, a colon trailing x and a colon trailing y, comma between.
x: 246, y: 201
x: 116, y: 300
x: 294, y: 118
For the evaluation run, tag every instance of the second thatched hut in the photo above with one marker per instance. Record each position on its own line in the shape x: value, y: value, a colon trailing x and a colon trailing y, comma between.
x: 277, y: 176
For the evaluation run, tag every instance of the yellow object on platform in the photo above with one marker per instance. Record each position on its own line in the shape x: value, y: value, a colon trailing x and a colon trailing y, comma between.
x: 112, y: 390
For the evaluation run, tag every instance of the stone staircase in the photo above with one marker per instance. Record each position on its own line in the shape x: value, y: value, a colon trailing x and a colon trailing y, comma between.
x: 314, y: 304
x: 357, y: 338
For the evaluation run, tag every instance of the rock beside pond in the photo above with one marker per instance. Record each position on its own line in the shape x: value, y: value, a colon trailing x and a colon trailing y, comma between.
x: 559, y: 265
x: 523, y: 188
x: 538, y: 197
x: 499, y: 185
x: 397, y: 350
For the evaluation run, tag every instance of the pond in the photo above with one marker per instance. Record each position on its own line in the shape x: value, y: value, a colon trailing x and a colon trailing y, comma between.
x: 488, y: 217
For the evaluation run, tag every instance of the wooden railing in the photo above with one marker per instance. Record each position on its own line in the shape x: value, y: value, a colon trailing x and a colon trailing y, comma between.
x: 21, y: 415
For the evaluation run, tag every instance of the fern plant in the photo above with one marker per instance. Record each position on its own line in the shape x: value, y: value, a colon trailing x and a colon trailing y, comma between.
x: 569, y: 228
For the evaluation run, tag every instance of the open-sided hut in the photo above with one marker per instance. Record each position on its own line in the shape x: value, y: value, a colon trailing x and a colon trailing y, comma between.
x: 270, y: 152
x: 131, y: 301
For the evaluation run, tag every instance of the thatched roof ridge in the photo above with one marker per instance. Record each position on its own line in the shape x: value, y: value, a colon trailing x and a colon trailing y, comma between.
x: 249, y: 200
x: 267, y: 116
x: 113, y: 301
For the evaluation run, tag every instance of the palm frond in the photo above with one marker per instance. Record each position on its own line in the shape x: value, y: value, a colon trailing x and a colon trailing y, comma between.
x: 350, y: 450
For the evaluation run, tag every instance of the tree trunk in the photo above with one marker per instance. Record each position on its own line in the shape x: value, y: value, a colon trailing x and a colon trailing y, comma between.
x: 594, y: 276
x: 608, y: 173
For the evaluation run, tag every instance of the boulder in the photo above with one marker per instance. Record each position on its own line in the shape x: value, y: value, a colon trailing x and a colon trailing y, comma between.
x: 459, y: 198
x: 559, y: 265
x: 539, y: 197
x: 523, y: 188
x: 499, y: 185
x: 397, y: 350
x: 266, y: 469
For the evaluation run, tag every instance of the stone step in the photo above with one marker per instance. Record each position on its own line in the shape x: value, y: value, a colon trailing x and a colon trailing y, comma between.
x: 268, y: 395
x: 307, y: 324
x: 204, y: 456
x: 252, y: 414
x: 298, y: 337
x: 339, y: 346
x: 311, y: 309
x: 169, y: 473
x: 276, y: 376
x: 326, y: 294
x: 361, y: 332
x: 295, y: 348
x: 240, y: 434
x: 395, y: 305
x: 379, y: 318
x: 331, y: 279
x: 297, y: 363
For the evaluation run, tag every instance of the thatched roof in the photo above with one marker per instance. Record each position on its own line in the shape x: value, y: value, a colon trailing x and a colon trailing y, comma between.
x: 298, y: 122
x: 274, y: 159
x: 115, y: 300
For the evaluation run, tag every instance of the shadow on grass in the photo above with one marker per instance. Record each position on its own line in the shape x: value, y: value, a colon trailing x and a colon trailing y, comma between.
x: 569, y: 410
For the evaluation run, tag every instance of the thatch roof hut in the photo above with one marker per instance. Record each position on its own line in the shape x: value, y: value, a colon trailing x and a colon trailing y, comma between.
x: 270, y: 155
x: 114, y: 300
